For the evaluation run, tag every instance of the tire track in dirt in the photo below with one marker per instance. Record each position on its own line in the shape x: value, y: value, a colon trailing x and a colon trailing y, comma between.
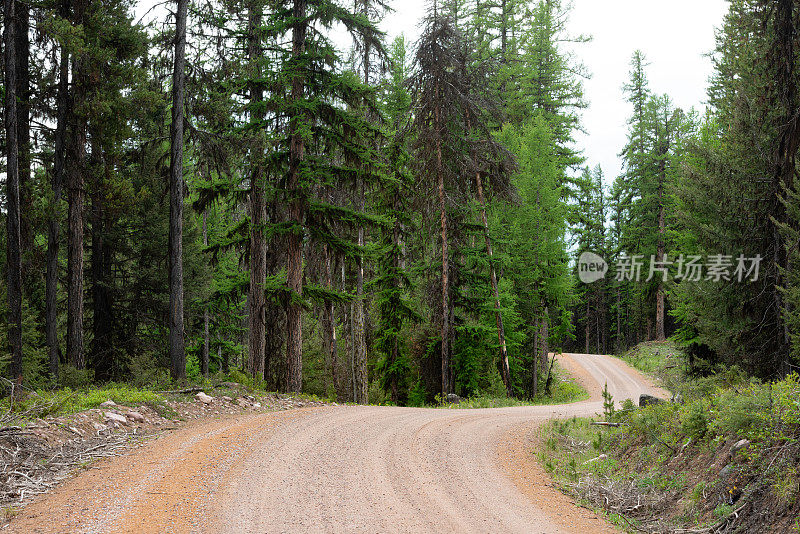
x: 346, y: 469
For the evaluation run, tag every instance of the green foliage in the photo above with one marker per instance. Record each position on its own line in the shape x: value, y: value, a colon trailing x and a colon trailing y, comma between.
x: 608, y: 402
x: 694, y: 420
x: 67, y: 400
x: 70, y: 377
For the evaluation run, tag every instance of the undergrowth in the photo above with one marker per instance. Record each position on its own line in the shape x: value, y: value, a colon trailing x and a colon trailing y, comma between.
x: 724, y: 458
x: 563, y: 390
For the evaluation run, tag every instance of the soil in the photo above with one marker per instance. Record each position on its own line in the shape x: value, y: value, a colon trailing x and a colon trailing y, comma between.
x: 338, y: 469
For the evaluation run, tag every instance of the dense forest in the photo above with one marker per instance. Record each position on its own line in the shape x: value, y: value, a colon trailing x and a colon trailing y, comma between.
x: 231, y: 189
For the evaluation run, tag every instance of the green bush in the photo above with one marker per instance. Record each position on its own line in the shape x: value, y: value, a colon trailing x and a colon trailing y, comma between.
x: 70, y: 376
x: 694, y: 421
x: 742, y: 412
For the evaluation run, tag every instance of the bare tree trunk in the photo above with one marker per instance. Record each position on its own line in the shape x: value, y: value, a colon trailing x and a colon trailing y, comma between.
x: 53, y: 223
x: 329, y: 327
x: 294, y: 356
x: 176, y: 330
x: 204, y: 357
x: 75, y: 196
x: 543, y: 335
x: 587, y: 329
x: 258, y: 245
x: 13, y: 238
x: 447, y: 387
x: 660, y: 254
x: 361, y: 379
x: 501, y: 333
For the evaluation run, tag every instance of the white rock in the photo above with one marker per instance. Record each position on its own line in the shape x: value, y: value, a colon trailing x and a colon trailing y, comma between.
x: 205, y: 399
x: 256, y: 405
x: 741, y: 444
x: 100, y: 427
x: 242, y: 402
x: 599, y: 458
x: 135, y: 416
x: 116, y: 418
x: 108, y: 404
x: 227, y: 398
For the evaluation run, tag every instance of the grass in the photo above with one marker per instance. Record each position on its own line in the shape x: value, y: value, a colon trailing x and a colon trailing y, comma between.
x: 564, y: 390
x: 662, y: 360
x: 64, y: 401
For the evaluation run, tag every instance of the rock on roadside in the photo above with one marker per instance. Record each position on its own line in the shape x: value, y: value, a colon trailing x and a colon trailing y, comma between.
x: 205, y: 399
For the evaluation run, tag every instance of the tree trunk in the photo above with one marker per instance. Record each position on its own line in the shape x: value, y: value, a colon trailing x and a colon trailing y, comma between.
x: 22, y: 64
x: 176, y: 331
x: 204, y: 357
x: 543, y: 335
x: 101, y: 350
x: 53, y: 223
x: 447, y: 387
x: 501, y: 333
x: 660, y: 247
x: 329, y: 328
x: 360, y: 379
x: 13, y: 238
x: 587, y: 329
x: 75, y: 196
x: 294, y: 277
x: 258, y: 245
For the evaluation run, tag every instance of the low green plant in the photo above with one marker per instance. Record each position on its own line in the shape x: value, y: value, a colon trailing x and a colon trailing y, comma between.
x: 694, y: 420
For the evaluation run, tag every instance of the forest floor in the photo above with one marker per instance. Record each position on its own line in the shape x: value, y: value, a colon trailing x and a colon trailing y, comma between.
x: 336, y: 469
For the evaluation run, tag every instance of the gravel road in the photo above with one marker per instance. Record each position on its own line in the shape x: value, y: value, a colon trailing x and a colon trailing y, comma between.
x: 348, y: 469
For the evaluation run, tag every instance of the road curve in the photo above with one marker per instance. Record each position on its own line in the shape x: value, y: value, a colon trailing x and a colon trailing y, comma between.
x: 339, y: 469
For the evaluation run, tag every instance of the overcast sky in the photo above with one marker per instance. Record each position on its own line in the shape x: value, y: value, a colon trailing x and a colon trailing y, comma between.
x: 674, y: 35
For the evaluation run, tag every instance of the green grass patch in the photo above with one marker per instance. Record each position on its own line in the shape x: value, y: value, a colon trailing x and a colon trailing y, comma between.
x: 564, y: 390
x: 63, y: 401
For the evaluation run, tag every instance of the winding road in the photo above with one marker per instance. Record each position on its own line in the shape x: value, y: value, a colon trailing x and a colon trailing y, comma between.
x: 348, y: 469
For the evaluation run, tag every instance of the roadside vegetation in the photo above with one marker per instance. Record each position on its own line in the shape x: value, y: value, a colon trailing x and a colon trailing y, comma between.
x: 563, y: 389
x: 724, y: 458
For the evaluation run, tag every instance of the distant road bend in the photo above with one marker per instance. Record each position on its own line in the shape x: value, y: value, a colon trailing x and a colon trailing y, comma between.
x: 339, y: 469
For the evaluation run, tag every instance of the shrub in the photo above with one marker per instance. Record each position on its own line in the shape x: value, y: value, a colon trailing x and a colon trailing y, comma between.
x: 742, y: 412
x: 70, y: 376
x: 694, y: 421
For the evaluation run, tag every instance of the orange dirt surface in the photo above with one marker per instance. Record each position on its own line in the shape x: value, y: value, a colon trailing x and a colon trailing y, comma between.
x: 339, y: 469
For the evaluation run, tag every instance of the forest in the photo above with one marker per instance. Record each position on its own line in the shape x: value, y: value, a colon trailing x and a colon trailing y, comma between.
x: 271, y: 189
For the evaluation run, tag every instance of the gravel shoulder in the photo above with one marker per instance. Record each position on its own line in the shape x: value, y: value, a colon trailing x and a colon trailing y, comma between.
x: 338, y: 469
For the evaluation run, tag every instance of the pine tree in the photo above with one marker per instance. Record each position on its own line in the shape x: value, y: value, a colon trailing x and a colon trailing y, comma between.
x: 392, y: 282
x: 316, y: 129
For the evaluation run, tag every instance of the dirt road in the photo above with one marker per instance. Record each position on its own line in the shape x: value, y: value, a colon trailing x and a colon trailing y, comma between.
x: 339, y: 469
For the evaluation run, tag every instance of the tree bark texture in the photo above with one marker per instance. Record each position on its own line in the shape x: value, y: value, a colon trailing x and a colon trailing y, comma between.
x: 294, y: 338
x: 176, y: 329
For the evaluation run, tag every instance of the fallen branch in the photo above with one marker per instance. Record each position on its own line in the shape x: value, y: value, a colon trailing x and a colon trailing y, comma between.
x: 605, y: 423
